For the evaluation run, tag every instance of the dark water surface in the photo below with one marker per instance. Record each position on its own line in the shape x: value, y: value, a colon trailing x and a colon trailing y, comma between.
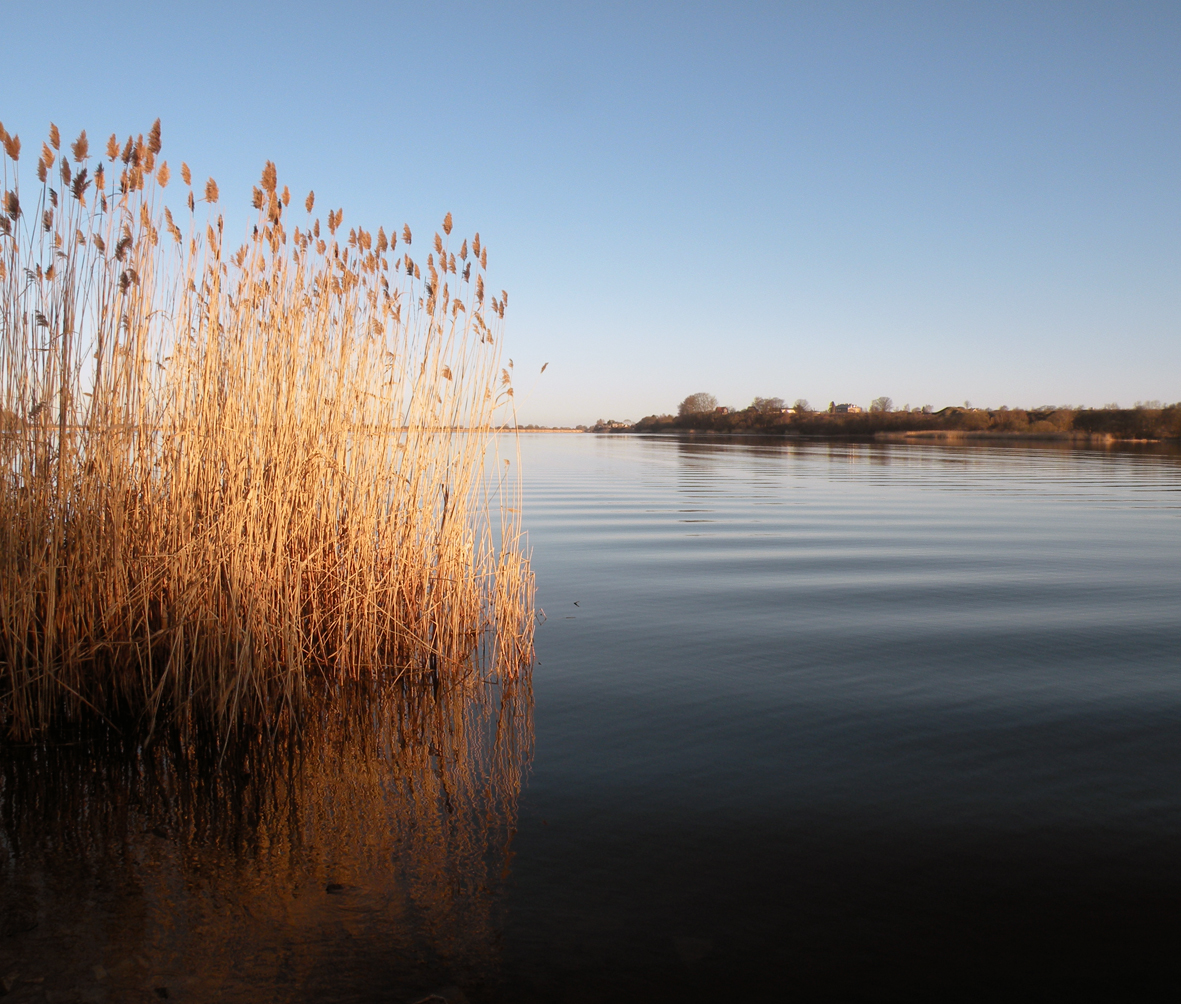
x: 812, y: 722
x: 851, y: 721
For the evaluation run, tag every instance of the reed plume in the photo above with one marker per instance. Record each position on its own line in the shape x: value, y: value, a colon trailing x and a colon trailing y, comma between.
x: 228, y: 472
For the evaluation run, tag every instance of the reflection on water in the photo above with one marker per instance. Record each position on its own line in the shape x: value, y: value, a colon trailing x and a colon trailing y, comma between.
x: 360, y: 860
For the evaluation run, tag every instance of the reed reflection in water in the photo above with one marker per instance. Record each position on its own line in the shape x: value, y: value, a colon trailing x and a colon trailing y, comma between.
x: 359, y: 858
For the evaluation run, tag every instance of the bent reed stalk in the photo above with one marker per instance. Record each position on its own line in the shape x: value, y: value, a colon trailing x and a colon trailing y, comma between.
x: 227, y: 473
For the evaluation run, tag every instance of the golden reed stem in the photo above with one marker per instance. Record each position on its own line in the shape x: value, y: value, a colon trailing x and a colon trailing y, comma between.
x: 226, y: 473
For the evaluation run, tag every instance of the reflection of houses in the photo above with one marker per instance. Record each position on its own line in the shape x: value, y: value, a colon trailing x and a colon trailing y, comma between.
x: 843, y: 409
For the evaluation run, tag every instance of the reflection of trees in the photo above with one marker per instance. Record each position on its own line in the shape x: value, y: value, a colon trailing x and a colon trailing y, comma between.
x: 371, y: 844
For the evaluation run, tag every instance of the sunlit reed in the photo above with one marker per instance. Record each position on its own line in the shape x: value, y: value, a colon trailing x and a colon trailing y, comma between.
x: 228, y: 471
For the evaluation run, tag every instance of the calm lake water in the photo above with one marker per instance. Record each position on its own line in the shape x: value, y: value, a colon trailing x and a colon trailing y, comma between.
x: 828, y: 721
x: 858, y: 721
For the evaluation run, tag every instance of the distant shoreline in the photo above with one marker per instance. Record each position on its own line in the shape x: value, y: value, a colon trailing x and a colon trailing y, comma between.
x: 1081, y: 425
x: 1049, y: 437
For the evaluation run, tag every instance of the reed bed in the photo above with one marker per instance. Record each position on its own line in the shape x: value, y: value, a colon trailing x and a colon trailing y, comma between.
x: 231, y: 470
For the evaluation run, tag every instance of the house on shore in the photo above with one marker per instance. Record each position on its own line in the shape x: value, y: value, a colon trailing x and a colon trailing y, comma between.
x: 844, y: 409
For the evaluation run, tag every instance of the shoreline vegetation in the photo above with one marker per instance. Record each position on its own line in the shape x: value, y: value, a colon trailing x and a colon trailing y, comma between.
x: 1148, y: 422
x: 230, y: 475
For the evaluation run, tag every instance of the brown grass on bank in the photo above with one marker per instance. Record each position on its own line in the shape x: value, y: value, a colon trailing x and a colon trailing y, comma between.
x: 229, y: 470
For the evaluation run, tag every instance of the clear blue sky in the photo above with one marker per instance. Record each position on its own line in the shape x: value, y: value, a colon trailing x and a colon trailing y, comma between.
x: 936, y: 202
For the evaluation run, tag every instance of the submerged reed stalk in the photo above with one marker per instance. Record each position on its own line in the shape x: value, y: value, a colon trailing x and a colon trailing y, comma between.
x: 228, y: 472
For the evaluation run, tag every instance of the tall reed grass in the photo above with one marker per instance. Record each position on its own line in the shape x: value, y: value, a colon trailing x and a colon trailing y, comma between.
x: 230, y: 470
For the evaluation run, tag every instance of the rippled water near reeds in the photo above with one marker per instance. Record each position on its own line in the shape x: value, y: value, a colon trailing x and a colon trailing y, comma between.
x: 810, y: 721
x: 360, y: 858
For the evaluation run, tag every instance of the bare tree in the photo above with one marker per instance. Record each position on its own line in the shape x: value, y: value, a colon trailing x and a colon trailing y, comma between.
x: 767, y: 405
x: 696, y: 404
x: 881, y: 404
x: 801, y: 405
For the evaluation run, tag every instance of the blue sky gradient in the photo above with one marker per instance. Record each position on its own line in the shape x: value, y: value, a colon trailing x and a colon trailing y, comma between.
x: 935, y: 202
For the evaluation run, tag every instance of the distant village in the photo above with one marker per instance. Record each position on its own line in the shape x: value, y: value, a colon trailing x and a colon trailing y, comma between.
x: 706, y: 404
x: 701, y: 413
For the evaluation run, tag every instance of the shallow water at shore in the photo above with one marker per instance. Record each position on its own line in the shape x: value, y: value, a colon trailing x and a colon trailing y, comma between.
x: 824, y: 721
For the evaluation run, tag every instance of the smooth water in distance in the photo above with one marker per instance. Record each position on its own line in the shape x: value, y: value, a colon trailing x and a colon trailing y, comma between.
x: 810, y: 721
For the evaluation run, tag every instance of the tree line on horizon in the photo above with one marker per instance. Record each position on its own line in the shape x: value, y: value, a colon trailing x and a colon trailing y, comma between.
x: 704, y: 403
x: 701, y: 411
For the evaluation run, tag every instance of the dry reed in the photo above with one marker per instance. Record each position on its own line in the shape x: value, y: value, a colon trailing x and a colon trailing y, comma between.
x: 228, y: 472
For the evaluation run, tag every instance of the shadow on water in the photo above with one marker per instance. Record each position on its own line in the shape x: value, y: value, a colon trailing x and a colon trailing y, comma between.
x: 358, y: 860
